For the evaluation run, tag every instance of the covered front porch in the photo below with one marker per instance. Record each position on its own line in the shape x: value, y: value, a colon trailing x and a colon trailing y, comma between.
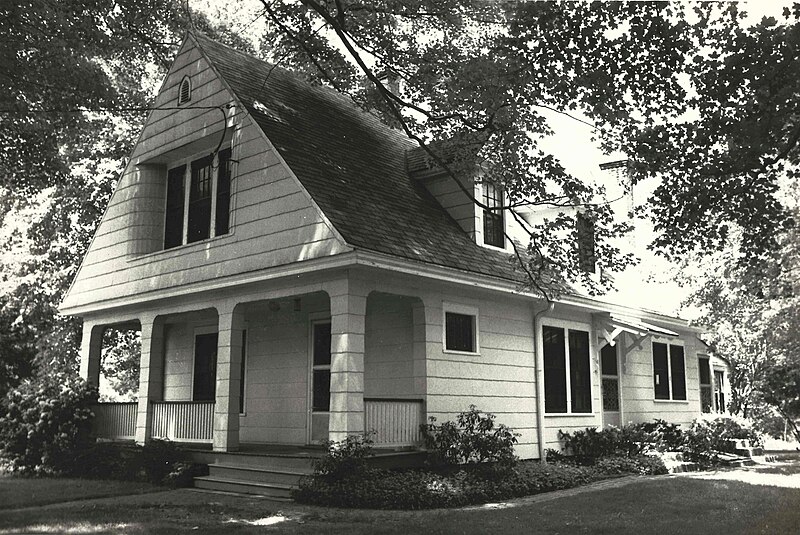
x: 284, y: 368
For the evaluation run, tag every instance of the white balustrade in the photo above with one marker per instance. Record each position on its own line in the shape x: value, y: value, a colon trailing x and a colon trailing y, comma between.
x: 115, y: 421
x: 395, y: 421
x: 183, y: 421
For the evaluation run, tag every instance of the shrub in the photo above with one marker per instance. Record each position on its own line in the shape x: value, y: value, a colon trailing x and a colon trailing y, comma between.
x: 182, y: 474
x: 641, y: 464
x: 46, y: 423
x: 709, y: 436
x: 422, y: 489
x: 664, y: 436
x: 629, y: 441
x: 472, y: 438
x: 345, y: 459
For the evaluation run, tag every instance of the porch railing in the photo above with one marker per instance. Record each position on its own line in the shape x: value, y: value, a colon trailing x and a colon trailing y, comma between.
x: 395, y: 421
x: 115, y: 421
x: 183, y: 421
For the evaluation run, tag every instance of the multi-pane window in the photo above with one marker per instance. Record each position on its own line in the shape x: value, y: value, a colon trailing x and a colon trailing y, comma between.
x: 608, y: 368
x: 321, y: 368
x: 669, y: 371
x: 193, y: 211
x: 493, y: 223
x: 706, y: 397
x: 567, y: 377
x: 719, y: 391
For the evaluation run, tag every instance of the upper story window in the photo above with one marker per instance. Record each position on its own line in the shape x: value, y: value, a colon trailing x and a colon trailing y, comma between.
x: 198, y: 200
x: 493, y: 222
x: 669, y: 371
x: 185, y: 90
x: 567, y: 376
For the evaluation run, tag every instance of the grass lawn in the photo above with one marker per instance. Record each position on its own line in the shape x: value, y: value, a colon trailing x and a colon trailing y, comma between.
x: 659, y: 505
x: 17, y: 492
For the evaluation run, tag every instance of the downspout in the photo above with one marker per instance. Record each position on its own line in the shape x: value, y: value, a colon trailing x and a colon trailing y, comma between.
x: 539, y: 357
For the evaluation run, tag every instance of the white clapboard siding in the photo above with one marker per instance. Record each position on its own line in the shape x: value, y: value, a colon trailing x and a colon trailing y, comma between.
x: 183, y: 421
x: 395, y: 421
x: 115, y: 420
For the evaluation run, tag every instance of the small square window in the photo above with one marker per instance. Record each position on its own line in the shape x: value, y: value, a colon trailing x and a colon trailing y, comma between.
x: 460, y: 328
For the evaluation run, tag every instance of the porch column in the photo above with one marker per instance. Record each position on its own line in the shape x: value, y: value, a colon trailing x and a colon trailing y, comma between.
x: 151, y: 375
x: 427, y: 317
x: 91, y: 350
x: 229, y: 377
x: 348, y: 312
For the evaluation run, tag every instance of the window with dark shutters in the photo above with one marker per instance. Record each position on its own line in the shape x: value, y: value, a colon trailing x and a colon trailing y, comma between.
x: 580, y: 378
x: 678, y: 372
x: 459, y: 332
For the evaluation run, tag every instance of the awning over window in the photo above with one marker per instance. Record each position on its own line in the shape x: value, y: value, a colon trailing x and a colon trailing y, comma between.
x: 612, y: 325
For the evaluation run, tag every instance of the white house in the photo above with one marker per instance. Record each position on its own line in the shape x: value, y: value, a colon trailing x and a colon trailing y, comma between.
x: 299, y: 274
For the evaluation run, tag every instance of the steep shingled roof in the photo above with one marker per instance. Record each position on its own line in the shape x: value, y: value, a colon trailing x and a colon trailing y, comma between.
x: 353, y: 166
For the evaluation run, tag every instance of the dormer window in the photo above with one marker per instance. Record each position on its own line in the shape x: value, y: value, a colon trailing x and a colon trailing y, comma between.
x: 493, y: 221
x: 198, y: 200
x: 185, y: 91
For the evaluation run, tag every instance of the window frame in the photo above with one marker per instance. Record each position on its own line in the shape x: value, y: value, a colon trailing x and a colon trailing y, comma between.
x: 668, y: 343
x: 213, y: 225
x: 568, y: 326
x: 199, y: 331
x: 705, y: 386
x: 464, y: 310
x: 314, y: 321
x: 243, y: 375
x: 185, y: 80
x: 498, y: 197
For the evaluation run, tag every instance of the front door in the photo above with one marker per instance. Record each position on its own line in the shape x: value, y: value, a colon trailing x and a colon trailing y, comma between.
x: 205, y: 367
x: 610, y: 385
x: 320, y: 381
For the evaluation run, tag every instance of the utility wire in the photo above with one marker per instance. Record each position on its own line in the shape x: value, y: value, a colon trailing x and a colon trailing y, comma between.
x: 111, y: 109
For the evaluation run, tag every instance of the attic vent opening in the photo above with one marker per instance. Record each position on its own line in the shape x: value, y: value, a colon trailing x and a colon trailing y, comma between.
x: 185, y: 93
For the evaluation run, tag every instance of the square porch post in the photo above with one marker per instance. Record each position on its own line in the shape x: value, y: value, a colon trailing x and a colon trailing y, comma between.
x: 151, y: 375
x: 348, y: 311
x: 91, y: 350
x: 229, y: 377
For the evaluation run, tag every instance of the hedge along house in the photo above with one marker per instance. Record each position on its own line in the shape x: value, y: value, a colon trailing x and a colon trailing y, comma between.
x: 299, y: 273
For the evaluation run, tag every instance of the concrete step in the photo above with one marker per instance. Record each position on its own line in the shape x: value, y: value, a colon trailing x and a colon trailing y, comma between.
x: 289, y: 462
x: 271, y: 490
x: 260, y: 475
x: 679, y: 467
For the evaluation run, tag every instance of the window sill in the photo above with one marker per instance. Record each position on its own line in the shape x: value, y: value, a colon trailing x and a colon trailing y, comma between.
x: 183, y: 249
x: 670, y: 400
x: 464, y: 353
x: 569, y: 415
x: 494, y: 247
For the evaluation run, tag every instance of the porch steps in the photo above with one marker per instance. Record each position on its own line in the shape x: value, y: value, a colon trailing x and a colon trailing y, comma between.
x: 271, y: 476
x: 272, y: 491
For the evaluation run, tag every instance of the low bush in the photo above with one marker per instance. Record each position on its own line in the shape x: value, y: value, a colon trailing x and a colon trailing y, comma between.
x: 345, y: 459
x: 46, y: 423
x: 663, y: 436
x: 473, y: 438
x: 182, y: 474
x: 424, y: 489
x: 646, y: 465
x: 630, y: 440
x: 709, y: 436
